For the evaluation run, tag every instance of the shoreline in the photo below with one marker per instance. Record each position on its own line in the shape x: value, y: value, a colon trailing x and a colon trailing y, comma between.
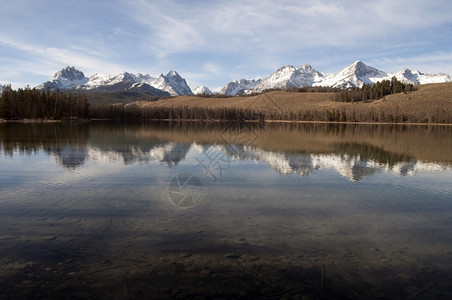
x: 224, y: 121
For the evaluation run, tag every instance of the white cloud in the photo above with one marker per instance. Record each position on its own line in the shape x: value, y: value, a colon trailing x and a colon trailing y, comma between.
x: 242, y: 25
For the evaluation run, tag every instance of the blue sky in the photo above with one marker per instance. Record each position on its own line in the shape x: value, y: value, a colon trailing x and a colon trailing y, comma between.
x: 213, y: 42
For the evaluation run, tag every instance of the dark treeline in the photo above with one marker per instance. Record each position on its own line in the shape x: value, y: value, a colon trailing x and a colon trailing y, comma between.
x: 374, y: 115
x: 30, y: 103
x: 373, y: 92
x: 136, y: 112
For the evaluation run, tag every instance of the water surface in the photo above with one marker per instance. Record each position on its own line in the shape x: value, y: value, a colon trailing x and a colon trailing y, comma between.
x: 186, y: 210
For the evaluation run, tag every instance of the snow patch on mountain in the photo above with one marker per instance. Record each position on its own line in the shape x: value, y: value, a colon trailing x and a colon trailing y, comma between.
x: 202, y: 90
x: 239, y: 87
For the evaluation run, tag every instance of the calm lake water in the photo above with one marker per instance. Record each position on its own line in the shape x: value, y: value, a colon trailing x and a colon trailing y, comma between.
x: 193, y: 210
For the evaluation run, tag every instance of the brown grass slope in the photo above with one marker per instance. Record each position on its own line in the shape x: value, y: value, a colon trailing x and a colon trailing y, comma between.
x: 430, y: 103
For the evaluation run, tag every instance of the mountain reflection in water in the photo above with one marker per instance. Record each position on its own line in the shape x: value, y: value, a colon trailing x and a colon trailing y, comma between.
x: 354, y: 151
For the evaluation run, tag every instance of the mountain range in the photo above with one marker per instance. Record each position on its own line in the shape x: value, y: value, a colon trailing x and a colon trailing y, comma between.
x: 352, y: 76
x: 172, y: 84
x: 69, y: 78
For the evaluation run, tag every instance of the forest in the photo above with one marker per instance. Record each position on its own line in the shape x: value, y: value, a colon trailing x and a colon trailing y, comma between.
x: 30, y: 103
x: 373, y: 92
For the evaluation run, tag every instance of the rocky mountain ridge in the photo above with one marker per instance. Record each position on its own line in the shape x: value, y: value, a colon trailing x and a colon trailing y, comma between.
x: 170, y: 84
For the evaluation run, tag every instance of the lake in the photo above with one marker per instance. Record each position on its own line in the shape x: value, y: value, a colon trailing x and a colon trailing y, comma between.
x: 225, y: 210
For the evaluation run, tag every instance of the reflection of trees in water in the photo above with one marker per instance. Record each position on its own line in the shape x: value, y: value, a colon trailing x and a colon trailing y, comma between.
x: 288, y: 148
x: 67, y: 141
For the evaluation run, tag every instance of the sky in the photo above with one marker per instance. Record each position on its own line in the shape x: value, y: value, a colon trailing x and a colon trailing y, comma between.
x: 213, y: 42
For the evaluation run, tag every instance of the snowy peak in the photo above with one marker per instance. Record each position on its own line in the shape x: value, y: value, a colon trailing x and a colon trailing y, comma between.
x: 172, y: 83
x: 70, y: 74
x: 285, y: 77
x: 172, y: 73
x: 360, y: 69
x: 202, y: 90
x: 289, y: 76
x: 239, y: 87
x: 67, y: 78
x: 355, y: 75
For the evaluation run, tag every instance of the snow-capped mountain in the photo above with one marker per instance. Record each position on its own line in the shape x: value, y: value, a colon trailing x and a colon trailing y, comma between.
x: 289, y: 76
x: 416, y: 77
x: 354, y: 75
x: 67, y: 78
x: 202, y: 90
x: 359, y: 73
x: 164, y: 85
x: 239, y: 87
x: 172, y: 83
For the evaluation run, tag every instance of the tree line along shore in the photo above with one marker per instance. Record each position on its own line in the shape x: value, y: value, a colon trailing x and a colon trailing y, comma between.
x: 387, y: 102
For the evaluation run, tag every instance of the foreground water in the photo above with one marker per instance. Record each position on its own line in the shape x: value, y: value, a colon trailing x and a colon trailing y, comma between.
x: 190, y: 210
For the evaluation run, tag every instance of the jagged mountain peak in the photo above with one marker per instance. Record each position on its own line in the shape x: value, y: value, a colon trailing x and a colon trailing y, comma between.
x: 172, y: 73
x: 286, y: 68
x: 126, y: 76
x: 285, y: 77
x: 69, y: 73
x: 239, y: 87
x: 307, y: 67
x: 361, y: 69
x: 172, y: 83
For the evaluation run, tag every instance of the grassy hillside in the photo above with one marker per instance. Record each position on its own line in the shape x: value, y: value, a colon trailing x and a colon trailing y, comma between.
x: 430, y: 103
